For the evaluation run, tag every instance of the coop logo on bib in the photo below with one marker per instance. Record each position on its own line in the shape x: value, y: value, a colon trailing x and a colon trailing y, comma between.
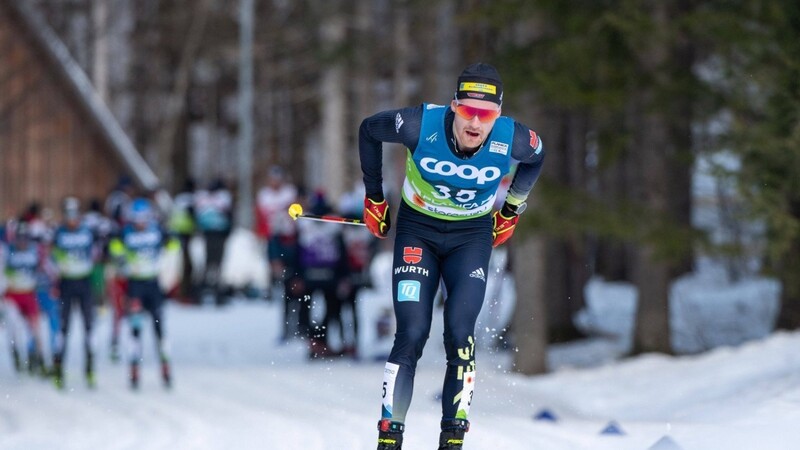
x: 467, y: 172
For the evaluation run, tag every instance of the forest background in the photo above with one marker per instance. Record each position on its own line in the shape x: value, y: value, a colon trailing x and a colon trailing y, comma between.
x: 629, y: 97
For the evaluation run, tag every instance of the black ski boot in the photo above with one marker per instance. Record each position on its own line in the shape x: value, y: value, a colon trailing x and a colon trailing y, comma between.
x: 91, y: 381
x: 452, y: 435
x: 390, y: 435
x: 134, y: 376
x: 166, y: 373
x: 36, y: 364
x: 17, y: 359
x: 58, y: 373
x: 114, y: 354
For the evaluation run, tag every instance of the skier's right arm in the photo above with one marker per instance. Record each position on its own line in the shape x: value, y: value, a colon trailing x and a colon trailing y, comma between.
x: 400, y: 126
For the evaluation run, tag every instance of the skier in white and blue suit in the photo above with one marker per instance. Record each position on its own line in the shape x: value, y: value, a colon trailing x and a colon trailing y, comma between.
x: 138, y: 250
x: 74, y: 253
x: 456, y: 157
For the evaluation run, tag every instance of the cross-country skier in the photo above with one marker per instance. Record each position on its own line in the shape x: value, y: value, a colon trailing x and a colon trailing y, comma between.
x: 456, y: 157
x: 24, y: 259
x: 138, y: 249
x: 74, y: 252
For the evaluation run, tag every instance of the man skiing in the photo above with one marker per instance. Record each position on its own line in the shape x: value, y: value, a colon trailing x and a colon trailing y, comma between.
x: 456, y: 158
x: 23, y: 261
x: 74, y: 253
x: 138, y: 249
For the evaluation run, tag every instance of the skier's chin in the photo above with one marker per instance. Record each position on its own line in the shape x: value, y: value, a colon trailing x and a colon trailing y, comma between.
x: 471, y: 141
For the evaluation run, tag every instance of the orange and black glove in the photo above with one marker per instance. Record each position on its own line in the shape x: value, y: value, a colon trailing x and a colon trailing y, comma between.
x: 505, y: 220
x: 376, y: 216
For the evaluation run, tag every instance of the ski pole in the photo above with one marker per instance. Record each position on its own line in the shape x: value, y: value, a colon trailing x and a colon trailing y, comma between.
x: 296, y: 211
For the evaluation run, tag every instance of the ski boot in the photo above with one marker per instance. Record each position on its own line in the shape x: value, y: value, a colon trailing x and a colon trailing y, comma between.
x: 166, y: 373
x: 36, y: 364
x: 17, y: 360
x: 114, y: 354
x: 91, y: 382
x: 58, y: 373
x: 390, y: 435
x: 452, y: 435
x: 134, y: 376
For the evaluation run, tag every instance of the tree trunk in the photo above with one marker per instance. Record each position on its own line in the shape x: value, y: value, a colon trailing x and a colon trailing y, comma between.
x: 529, y: 326
x: 334, y: 107
x: 440, y: 66
x: 789, y: 267
x: 652, y: 279
x: 662, y: 144
x: 395, y: 161
x: 363, y: 77
x: 101, y: 38
x: 567, y: 268
x: 176, y: 102
x: 651, y: 274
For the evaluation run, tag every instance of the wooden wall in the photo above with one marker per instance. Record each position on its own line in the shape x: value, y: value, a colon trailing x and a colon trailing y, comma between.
x: 48, y: 147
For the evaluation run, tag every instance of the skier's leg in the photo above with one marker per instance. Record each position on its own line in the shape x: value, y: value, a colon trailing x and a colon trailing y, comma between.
x: 117, y: 291
x: 49, y: 306
x: 153, y: 303
x: 414, y: 284
x: 60, y: 350
x: 351, y: 341
x: 135, y: 314
x: 12, y: 321
x: 464, y: 272
x: 87, y: 303
x: 303, y: 313
x: 35, y: 358
x: 30, y: 311
x: 290, y: 325
x: 318, y: 331
x: 333, y: 315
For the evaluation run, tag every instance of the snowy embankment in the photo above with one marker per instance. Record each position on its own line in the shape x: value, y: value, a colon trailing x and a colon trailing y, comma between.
x: 237, y: 387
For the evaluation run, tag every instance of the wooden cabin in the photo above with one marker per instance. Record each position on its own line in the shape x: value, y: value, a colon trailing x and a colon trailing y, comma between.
x: 57, y: 137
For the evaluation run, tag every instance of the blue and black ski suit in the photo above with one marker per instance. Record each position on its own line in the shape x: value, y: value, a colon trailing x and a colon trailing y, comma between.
x: 447, y: 240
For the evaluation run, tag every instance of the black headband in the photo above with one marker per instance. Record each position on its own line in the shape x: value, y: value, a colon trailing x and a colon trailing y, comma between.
x: 480, y: 82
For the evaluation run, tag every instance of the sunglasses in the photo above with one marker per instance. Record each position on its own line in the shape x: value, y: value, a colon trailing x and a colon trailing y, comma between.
x: 468, y: 112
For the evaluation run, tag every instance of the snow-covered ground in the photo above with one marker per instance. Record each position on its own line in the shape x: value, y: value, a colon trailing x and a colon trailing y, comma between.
x: 237, y: 387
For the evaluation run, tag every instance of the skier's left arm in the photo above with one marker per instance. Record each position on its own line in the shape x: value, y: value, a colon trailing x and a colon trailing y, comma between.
x: 169, y: 242
x: 527, y: 148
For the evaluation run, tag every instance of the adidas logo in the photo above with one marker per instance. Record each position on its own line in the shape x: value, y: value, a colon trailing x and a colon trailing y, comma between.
x: 479, y: 274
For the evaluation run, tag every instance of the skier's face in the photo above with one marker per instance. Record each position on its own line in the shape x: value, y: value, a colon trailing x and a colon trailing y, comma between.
x: 473, y: 121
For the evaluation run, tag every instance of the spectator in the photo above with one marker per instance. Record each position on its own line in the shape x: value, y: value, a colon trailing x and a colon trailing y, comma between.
x: 272, y: 202
x: 182, y: 225
x: 214, y: 209
x: 323, y: 268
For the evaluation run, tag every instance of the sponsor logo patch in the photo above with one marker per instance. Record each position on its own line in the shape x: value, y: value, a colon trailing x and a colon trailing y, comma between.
x: 535, y: 141
x: 408, y: 291
x: 498, y: 147
x: 479, y: 274
x: 398, y: 122
x: 412, y: 269
x: 478, y: 87
x: 412, y: 255
x: 432, y: 138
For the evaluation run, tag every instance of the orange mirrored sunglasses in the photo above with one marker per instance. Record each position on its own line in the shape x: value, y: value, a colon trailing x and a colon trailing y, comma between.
x: 468, y: 112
